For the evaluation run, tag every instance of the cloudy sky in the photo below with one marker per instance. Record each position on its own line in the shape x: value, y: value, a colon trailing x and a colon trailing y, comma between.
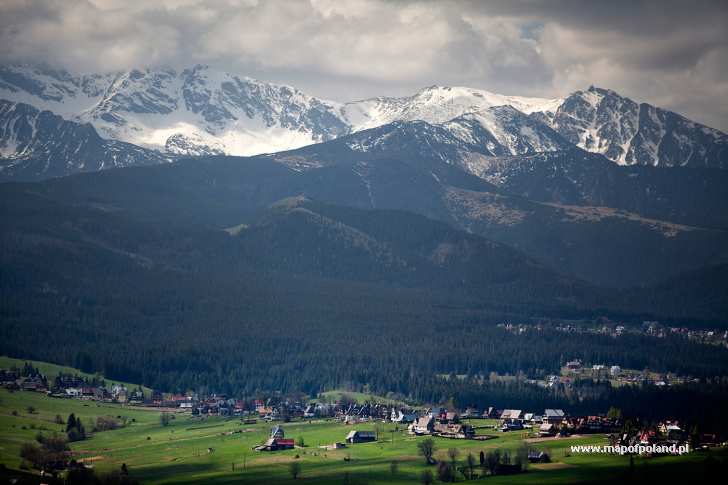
x: 673, y: 54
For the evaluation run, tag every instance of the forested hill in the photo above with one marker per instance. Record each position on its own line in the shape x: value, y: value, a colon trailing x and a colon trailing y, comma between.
x: 300, y: 295
x: 330, y: 266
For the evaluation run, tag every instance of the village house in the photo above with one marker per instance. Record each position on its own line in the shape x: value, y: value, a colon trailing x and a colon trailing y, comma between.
x: 355, y: 436
x: 553, y: 416
x: 536, y: 456
x: 453, y: 430
x: 574, y: 365
x: 121, y: 397
x: 277, y: 441
x: 276, y: 444
x: 72, y: 392
x: 547, y: 429
x: 648, y: 437
x: 66, y: 381
x: 309, y: 412
x: 9, y: 376
x: 512, y: 425
x: 398, y: 416
x: 277, y: 432
x: 491, y: 413
x: 423, y: 425
x: 450, y: 417
x: 35, y: 383
x: 102, y: 394
x: 511, y: 414
x: 88, y: 392
x: 471, y: 412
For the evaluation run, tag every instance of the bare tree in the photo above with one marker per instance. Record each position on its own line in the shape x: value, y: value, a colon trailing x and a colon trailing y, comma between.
x: 426, y: 448
x: 470, y: 465
x: 453, y: 453
x: 294, y: 468
x: 164, y: 419
x: 492, y: 460
x: 445, y: 472
x: 522, y: 457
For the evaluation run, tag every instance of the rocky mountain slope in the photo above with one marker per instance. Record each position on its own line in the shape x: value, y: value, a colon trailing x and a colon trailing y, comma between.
x: 626, y: 230
x: 630, y: 133
x: 201, y: 111
x: 39, y: 144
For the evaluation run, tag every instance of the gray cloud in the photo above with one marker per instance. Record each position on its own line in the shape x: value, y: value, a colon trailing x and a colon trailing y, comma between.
x: 670, y: 53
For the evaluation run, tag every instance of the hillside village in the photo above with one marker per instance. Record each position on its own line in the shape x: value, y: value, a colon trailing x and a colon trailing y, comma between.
x: 467, y: 424
x: 618, y: 329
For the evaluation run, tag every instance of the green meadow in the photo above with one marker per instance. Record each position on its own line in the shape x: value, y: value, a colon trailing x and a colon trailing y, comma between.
x: 219, y: 450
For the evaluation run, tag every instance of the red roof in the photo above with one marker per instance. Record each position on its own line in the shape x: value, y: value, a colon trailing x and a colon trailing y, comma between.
x: 284, y: 441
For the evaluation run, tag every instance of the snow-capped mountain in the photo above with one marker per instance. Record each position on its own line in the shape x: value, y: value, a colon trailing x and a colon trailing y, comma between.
x: 504, y: 130
x: 630, y: 133
x: 202, y: 111
x: 39, y: 144
x: 194, y: 111
x: 436, y: 104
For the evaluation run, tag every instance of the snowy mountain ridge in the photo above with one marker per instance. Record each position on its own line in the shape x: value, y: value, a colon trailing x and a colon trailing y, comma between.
x: 202, y: 111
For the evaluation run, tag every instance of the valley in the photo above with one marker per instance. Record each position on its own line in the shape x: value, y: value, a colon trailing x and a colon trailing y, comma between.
x: 214, y: 448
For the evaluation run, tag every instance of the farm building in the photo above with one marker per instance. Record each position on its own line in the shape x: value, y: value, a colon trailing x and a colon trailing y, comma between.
x: 511, y: 425
x: 536, y: 456
x: 453, y: 430
x: 277, y: 432
x: 424, y: 425
x: 511, y: 414
x: 360, y: 436
x: 275, y: 444
x: 397, y: 416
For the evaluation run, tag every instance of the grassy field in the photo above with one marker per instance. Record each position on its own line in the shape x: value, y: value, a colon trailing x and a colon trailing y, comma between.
x: 358, y: 397
x: 178, y: 453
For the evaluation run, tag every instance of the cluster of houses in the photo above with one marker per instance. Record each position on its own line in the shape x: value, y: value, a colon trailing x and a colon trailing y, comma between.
x: 15, y: 379
x: 575, y: 369
x: 616, y: 330
x: 441, y: 422
x: 78, y: 387
x: 552, y: 422
x: 277, y: 440
x: 444, y: 423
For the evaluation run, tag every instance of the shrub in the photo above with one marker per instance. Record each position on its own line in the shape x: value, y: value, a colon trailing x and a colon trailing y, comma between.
x: 107, y: 423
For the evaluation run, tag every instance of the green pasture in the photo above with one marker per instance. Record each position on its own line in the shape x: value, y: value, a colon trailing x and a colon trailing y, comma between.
x: 219, y: 450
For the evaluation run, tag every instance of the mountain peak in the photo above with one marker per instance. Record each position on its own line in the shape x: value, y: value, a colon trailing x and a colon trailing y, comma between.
x: 201, y: 110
